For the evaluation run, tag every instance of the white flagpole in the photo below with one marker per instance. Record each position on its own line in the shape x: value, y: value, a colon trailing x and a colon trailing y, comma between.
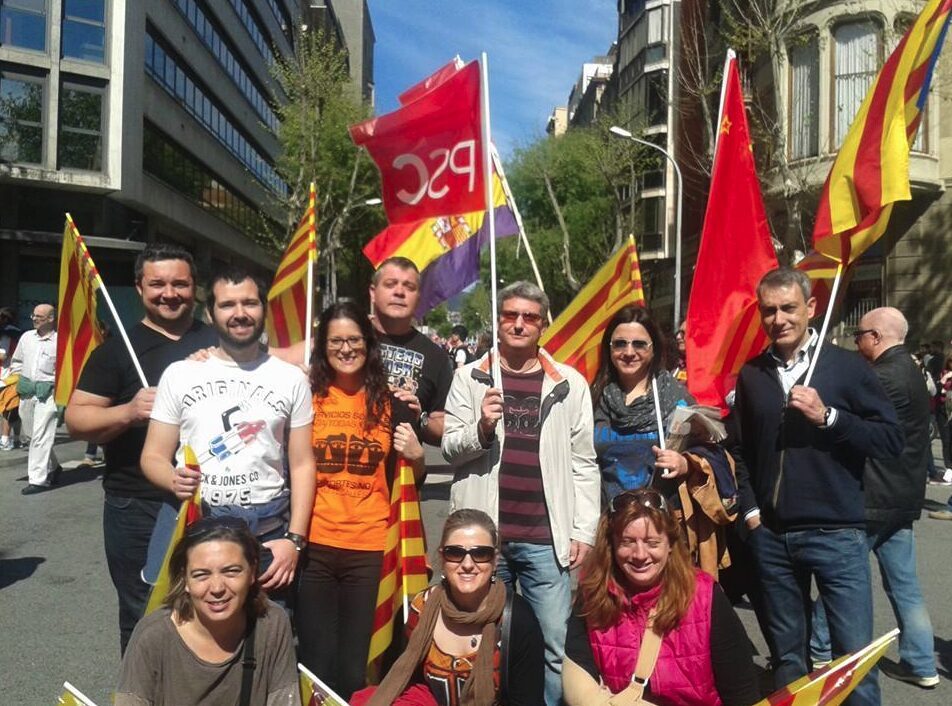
x: 659, y: 419
x: 311, y: 244
x: 490, y: 210
x: 731, y: 56
x: 77, y: 694
x: 826, y: 324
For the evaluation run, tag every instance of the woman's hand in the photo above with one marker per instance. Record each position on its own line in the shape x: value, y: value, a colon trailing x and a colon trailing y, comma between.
x: 203, y: 354
x: 406, y: 443
x: 281, y: 571
x: 671, y: 463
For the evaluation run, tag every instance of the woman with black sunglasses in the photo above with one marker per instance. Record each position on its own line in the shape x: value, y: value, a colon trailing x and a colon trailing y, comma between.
x: 645, y: 615
x: 627, y: 440
x: 472, y: 641
x: 218, y: 640
x: 359, y: 429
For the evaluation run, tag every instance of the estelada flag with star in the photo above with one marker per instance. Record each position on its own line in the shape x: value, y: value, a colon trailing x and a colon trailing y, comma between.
x: 723, y: 325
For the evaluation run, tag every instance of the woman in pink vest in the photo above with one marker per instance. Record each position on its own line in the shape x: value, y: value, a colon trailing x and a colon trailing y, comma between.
x: 639, y: 596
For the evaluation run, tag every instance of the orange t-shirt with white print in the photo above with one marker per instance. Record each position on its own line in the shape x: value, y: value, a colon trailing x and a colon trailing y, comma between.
x: 352, y: 503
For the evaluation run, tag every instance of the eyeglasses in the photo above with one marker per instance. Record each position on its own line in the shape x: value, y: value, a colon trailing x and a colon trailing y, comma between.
x: 207, y: 525
x: 530, y: 317
x: 860, y: 332
x: 356, y: 343
x: 481, y: 554
x: 621, y: 344
x: 649, y: 498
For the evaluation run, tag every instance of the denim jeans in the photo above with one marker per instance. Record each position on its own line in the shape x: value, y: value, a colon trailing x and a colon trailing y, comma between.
x: 127, y: 525
x: 838, y: 560
x: 897, y: 566
x: 546, y: 587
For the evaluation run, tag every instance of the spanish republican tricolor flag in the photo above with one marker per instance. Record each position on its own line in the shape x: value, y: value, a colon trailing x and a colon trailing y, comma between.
x: 871, y: 170
x: 77, y: 332
x: 574, y: 337
x: 405, y: 571
x: 287, y: 319
x: 830, y: 685
x: 190, y: 512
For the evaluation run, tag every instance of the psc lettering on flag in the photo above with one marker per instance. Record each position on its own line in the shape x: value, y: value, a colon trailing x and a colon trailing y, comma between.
x: 428, y: 151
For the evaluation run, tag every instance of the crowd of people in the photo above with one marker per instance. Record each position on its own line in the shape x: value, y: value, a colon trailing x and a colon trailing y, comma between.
x: 555, y: 481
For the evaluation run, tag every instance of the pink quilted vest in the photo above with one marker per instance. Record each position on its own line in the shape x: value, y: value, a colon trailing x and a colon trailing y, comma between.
x: 683, y: 675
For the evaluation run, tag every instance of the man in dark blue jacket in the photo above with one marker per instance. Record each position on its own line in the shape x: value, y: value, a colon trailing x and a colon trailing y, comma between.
x: 804, y: 449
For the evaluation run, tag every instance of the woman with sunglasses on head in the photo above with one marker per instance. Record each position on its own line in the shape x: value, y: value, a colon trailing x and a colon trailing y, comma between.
x: 359, y: 428
x: 218, y: 640
x: 473, y: 642
x: 640, y: 596
x: 627, y: 442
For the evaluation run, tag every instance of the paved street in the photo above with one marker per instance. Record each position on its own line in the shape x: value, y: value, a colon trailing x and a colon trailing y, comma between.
x: 58, y: 610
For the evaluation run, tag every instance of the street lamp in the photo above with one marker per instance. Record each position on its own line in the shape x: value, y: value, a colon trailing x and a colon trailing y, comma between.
x: 622, y: 132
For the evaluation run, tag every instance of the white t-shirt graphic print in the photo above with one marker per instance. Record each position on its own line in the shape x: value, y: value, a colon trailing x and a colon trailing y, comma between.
x: 235, y: 416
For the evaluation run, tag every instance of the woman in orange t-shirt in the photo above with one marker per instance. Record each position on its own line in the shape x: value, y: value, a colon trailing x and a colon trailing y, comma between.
x: 357, y: 433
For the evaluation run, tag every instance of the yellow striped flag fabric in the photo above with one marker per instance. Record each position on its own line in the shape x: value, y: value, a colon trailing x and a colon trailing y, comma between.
x: 190, y: 511
x: 287, y: 299
x: 830, y: 685
x: 72, y: 696
x: 871, y: 170
x: 77, y: 330
x: 314, y: 692
x: 405, y: 571
x: 574, y: 337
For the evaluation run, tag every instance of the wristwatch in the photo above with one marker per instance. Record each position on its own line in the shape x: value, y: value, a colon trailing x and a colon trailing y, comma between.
x: 826, y: 416
x: 297, y: 540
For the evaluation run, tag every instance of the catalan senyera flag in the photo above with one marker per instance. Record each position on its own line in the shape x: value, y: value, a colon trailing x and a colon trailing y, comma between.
x: 871, y: 170
x: 830, y: 685
x: 574, y: 337
x: 72, y: 696
x: 314, y: 692
x: 287, y: 299
x: 190, y: 511
x: 405, y: 572
x: 723, y: 323
x: 77, y: 330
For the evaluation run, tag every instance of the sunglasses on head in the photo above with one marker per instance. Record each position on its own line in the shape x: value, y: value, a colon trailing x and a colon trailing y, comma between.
x: 481, y: 554
x: 647, y: 497
x: 207, y: 525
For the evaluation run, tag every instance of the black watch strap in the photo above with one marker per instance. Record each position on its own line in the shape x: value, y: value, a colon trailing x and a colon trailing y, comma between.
x: 299, y: 541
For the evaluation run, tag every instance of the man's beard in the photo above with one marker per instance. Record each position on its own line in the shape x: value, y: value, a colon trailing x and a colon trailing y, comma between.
x: 230, y: 341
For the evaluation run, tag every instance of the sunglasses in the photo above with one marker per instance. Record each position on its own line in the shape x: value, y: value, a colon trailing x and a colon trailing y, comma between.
x: 621, y: 344
x: 530, y: 317
x: 860, y: 332
x: 356, y: 343
x: 207, y: 525
x: 481, y: 554
x: 651, y: 499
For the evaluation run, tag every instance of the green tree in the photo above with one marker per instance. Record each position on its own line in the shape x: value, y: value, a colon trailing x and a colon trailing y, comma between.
x: 475, y: 312
x: 438, y: 319
x: 322, y: 103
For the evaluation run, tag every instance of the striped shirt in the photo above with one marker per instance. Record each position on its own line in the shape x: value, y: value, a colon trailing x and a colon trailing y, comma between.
x: 523, y: 516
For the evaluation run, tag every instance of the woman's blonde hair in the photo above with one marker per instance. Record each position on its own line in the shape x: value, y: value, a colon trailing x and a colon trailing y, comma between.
x: 602, y: 586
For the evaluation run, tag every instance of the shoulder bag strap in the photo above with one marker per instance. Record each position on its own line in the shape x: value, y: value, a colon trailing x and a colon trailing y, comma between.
x: 248, y: 664
x: 647, y: 658
x: 506, y: 630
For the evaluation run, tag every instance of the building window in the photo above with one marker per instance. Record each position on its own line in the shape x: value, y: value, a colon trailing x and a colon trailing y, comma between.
x: 920, y: 144
x: 23, y: 24
x: 855, y: 65
x: 80, y: 133
x: 804, y: 112
x: 84, y: 30
x: 21, y: 119
x: 656, y: 103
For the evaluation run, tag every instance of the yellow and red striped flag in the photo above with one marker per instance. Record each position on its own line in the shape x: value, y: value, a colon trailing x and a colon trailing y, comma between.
x: 871, y: 170
x: 190, y: 512
x: 287, y: 299
x: 77, y: 330
x: 574, y: 337
x: 830, y: 685
x: 405, y: 571
x: 72, y: 696
x: 314, y: 692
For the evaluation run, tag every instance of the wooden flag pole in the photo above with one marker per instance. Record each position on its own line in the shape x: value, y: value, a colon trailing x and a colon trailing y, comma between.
x: 490, y: 211
x: 826, y: 324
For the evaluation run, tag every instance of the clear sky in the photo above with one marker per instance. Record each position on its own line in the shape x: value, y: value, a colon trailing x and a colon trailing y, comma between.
x: 536, y: 49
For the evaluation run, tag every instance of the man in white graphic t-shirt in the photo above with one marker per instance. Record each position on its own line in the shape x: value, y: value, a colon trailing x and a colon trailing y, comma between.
x: 238, y: 411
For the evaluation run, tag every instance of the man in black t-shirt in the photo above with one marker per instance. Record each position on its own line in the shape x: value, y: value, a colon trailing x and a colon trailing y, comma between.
x: 419, y: 370
x: 111, y: 407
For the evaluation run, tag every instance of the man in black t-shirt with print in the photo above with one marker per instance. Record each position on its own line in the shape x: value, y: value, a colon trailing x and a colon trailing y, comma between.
x: 419, y: 370
x: 111, y: 407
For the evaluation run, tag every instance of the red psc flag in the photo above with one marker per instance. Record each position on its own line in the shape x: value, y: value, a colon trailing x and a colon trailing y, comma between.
x: 723, y: 328
x: 429, y: 151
